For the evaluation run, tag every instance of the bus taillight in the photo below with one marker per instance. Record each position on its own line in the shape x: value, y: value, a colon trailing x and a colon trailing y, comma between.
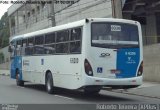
x: 140, y: 70
x: 88, y: 68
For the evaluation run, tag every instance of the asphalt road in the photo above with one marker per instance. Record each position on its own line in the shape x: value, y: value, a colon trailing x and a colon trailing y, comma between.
x: 36, y: 94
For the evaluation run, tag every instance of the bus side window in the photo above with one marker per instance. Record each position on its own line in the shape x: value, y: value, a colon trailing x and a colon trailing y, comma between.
x: 75, y: 47
x: 50, y: 38
x: 76, y: 34
x: 49, y: 46
x: 49, y: 49
x: 30, y: 46
x: 75, y: 44
x: 38, y: 48
x: 62, y: 48
x: 24, y: 44
x: 62, y: 36
x: 18, y: 47
x: 13, y: 49
x: 62, y: 42
x: 39, y: 40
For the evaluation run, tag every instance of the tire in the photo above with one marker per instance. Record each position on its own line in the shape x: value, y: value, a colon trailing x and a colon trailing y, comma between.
x: 49, y: 83
x: 92, y: 90
x: 19, y: 82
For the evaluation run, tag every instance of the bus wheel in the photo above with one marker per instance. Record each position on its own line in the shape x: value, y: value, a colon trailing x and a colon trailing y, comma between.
x: 49, y: 83
x: 91, y: 90
x: 19, y: 82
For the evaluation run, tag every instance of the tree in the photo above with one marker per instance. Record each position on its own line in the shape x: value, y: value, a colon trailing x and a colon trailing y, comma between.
x: 4, y: 31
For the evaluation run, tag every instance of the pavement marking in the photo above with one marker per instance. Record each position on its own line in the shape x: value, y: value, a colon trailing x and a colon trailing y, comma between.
x: 64, y: 97
x: 20, y: 87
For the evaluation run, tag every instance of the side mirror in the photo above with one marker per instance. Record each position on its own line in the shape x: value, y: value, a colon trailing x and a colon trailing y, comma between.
x: 9, y: 49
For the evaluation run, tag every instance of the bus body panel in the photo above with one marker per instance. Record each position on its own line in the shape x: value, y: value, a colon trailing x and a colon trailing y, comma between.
x: 127, y: 62
x: 16, y: 65
x: 64, y: 75
x: 30, y: 70
x: 113, y: 82
x: 102, y: 64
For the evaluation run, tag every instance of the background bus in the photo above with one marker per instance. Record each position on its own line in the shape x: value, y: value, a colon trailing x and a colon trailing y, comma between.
x: 87, y: 54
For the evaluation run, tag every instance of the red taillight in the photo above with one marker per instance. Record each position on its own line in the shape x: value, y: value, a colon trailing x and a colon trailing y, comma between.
x: 140, y: 70
x: 88, y: 68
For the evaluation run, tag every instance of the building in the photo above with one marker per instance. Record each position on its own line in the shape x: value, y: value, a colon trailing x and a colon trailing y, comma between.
x: 147, y: 12
x: 30, y: 17
x: 34, y: 16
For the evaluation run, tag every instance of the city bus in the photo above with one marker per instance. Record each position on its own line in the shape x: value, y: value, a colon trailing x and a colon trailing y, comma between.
x: 87, y: 55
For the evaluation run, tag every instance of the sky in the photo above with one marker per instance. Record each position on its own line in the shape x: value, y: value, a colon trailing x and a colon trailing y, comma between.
x: 4, y: 7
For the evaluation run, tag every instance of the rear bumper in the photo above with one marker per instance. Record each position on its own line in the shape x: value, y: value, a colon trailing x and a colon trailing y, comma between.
x: 134, y: 81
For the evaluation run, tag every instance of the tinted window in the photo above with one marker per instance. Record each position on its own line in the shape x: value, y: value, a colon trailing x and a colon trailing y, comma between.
x: 76, y: 34
x: 39, y: 49
x: 19, y: 43
x: 50, y: 38
x: 75, y: 47
x: 18, y: 47
x: 75, y: 44
x: 24, y: 42
x: 30, y: 46
x: 39, y: 40
x: 63, y: 36
x: 49, y: 49
x: 29, y: 50
x: 31, y: 41
x: 24, y: 45
x: 62, y: 48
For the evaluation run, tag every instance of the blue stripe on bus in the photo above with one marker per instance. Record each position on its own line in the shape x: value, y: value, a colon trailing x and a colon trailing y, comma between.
x: 127, y: 62
x: 16, y: 63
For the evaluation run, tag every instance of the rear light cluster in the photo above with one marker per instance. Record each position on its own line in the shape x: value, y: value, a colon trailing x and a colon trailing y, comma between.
x: 88, y: 68
x: 140, y: 70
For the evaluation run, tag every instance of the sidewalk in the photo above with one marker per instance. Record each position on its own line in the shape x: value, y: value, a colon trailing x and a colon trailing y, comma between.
x: 148, y: 89
x: 4, y: 72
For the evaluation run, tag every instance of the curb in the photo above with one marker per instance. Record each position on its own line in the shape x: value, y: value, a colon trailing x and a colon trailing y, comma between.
x: 3, y: 74
x: 123, y: 92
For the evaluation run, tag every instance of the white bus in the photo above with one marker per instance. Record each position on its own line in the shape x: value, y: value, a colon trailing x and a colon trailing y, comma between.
x: 87, y: 54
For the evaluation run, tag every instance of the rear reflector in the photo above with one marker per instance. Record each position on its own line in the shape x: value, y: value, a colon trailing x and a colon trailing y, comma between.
x: 133, y: 81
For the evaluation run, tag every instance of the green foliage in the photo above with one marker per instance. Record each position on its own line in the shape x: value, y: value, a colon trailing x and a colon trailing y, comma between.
x: 4, y: 31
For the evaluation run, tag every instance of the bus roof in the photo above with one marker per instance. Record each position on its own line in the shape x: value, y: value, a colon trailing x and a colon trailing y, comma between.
x: 70, y: 25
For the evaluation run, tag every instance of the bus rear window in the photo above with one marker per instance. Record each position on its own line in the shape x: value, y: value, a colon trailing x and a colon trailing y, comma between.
x: 114, y: 35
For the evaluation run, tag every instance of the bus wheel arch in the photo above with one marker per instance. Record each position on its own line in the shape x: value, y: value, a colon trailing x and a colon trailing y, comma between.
x: 17, y: 76
x: 49, y: 82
